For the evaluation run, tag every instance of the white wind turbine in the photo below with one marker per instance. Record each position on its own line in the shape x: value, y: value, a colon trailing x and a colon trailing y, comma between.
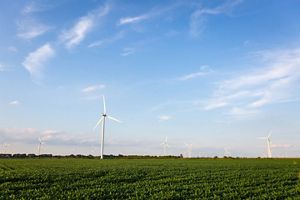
x: 40, y: 145
x: 102, y: 120
x: 165, y: 145
x: 268, y: 139
x: 189, y: 149
x: 227, y: 152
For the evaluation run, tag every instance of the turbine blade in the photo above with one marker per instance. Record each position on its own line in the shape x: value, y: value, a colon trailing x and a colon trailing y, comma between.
x: 114, y: 119
x: 270, y: 133
x: 104, y: 106
x: 100, y: 120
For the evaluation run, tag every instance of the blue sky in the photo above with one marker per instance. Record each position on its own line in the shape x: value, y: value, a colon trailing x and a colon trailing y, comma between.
x: 214, y: 74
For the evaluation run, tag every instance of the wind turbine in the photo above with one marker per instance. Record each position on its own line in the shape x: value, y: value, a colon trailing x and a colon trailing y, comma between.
x: 165, y: 145
x: 268, y: 139
x: 189, y: 149
x: 40, y: 145
x: 102, y: 120
x: 226, y: 152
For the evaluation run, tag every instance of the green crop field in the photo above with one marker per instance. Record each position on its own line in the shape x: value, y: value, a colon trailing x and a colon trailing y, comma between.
x: 66, y: 178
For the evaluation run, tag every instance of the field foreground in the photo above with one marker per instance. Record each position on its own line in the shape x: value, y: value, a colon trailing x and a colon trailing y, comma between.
x: 50, y: 178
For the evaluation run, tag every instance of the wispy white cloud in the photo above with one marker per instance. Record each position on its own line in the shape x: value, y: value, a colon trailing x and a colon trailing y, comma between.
x: 204, y: 70
x: 162, y: 118
x: 131, y: 20
x: 277, y: 81
x: 128, y: 51
x: 83, y: 26
x: 197, y: 18
x: 50, y: 136
x: 109, y: 40
x: 30, y: 28
x: 32, y: 7
x: 2, y: 67
x: 35, y: 61
x: 12, y: 49
x: 242, y: 112
x: 282, y: 145
x: 78, y: 32
x: 14, y: 103
x: 93, y: 88
x: 223, y: 100
x: 16, y: 133
x: 147, y: 15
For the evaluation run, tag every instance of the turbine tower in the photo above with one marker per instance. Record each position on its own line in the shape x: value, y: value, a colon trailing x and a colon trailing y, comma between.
x: 268, y: 140
x: 102, y: 120
x: 165, y: 145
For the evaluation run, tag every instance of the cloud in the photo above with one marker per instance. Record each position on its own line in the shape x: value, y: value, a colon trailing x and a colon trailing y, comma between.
x: 30, y: 28
x: 93, y: 88
x: 82, y: 27
x: 9, y: 134
x: 204, y: 70
x: 197, y: 18
x: 29, y: 8
x: 12, y: 49
x: 131, y: 20
x: 281, y: 145
x: 35, y: 61
x: 148, y: 15
x: 128, y: 51
x: 164, y: 118
x: 14, y: 103
x: 32, y: 7
x: 276, y: 81
x: 109, y: 40
x: 219, y: 101
x: 2, y: 68
x: 242, y: 112
x: 49, y: 136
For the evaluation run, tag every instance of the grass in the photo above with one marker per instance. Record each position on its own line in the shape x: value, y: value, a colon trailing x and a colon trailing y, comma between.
x: 50, y: 178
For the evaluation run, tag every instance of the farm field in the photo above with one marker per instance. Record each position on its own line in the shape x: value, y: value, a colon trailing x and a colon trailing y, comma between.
x: 67, y: 178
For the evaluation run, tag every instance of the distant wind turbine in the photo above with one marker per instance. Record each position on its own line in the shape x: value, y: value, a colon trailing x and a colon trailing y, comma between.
x: 268, y: 139
x: 226, y: 152
x: 189, y: 149
x: 40, y: 145
x: 102, y: 120
x: 165, y: 145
